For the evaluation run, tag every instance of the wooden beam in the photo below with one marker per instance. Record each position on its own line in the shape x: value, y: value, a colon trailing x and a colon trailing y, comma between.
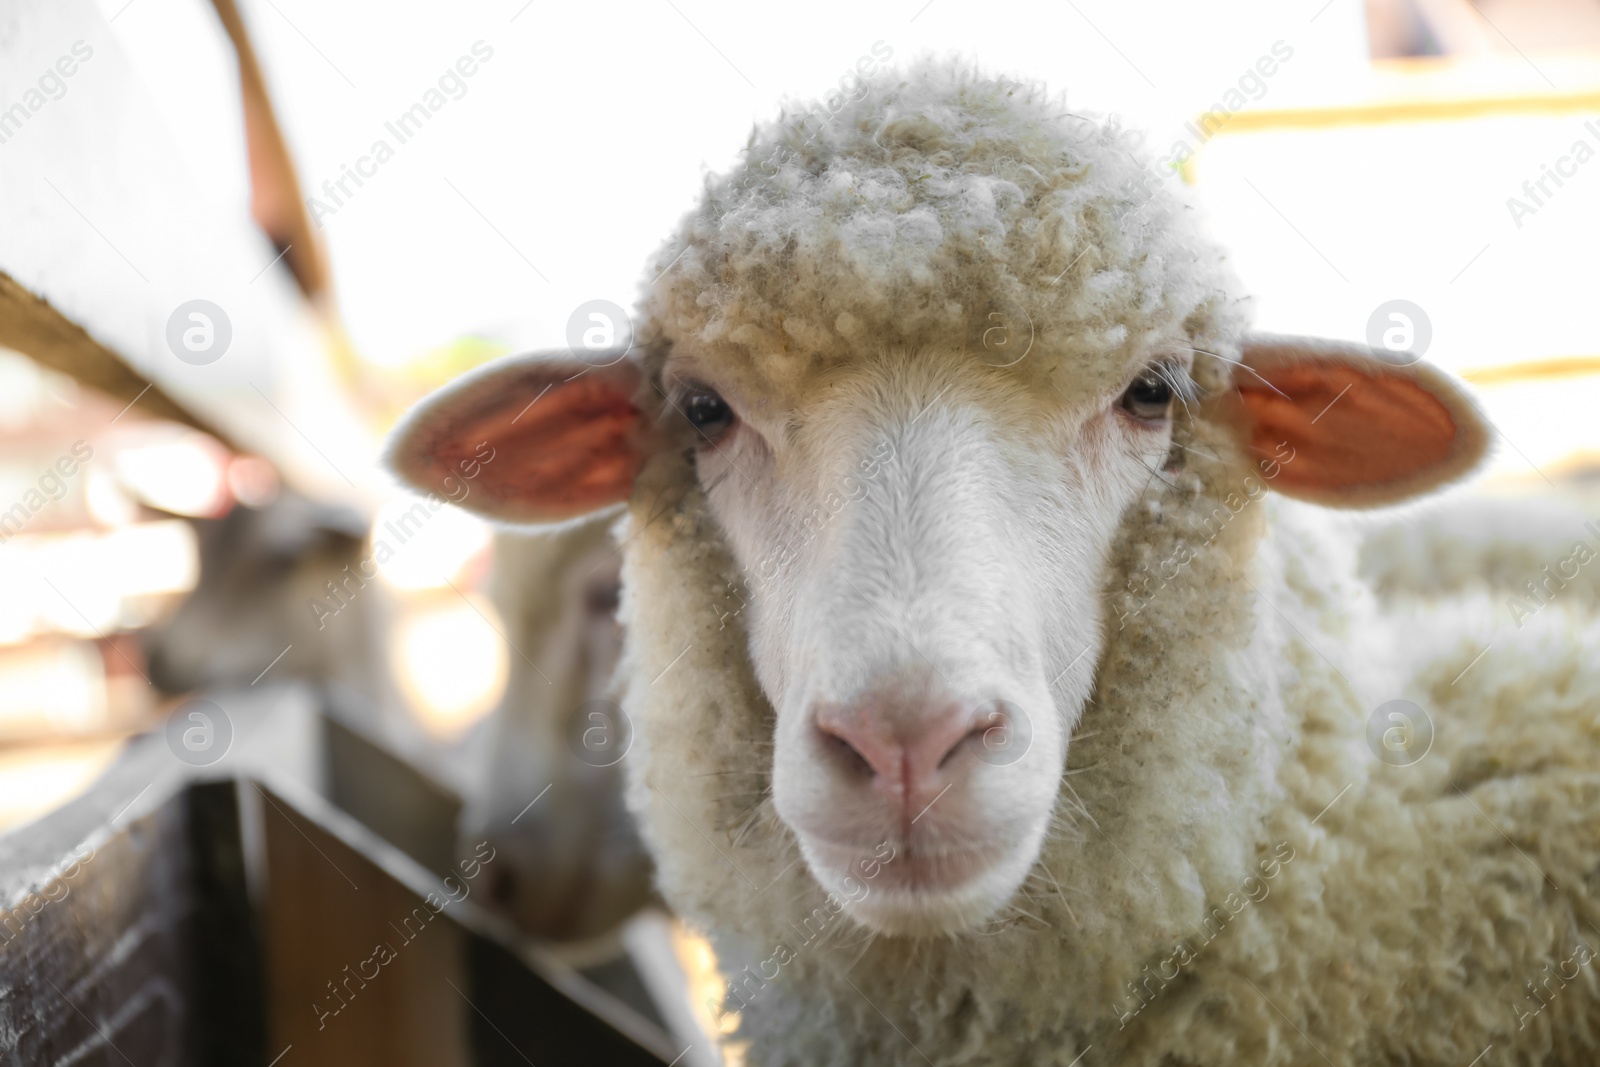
x: 30, y: 325
x: 276, y: 201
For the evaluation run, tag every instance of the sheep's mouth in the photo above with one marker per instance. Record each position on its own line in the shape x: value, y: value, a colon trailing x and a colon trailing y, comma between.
x: 917, y: 892
x: 936, y: 904
x: 933, y: 872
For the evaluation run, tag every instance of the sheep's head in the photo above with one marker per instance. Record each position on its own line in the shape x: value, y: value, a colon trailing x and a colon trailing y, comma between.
x: 923, y: 521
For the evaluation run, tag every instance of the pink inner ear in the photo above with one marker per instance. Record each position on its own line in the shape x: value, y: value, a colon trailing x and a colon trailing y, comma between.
x: 1349, y: 428
x: 572, y: 451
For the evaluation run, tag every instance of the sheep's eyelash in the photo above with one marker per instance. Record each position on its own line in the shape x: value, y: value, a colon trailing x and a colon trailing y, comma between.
x: 678, y: 390
x: 1177, y: 378
x: 675, y: 391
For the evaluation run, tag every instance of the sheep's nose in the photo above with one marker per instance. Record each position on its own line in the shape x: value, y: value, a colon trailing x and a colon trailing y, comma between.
x: 502, y: 888
x: 905, y: 751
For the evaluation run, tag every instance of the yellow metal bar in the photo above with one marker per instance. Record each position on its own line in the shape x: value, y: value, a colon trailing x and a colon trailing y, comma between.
x: 1533, y: 370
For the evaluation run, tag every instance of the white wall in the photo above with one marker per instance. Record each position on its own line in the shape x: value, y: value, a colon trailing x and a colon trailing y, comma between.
x: 584, y: 138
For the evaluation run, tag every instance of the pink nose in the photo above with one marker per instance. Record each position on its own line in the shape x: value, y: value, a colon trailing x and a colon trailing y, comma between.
x: 904, y: 750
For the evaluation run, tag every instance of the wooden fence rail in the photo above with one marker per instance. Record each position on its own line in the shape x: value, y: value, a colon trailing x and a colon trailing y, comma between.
x: 237, y: 916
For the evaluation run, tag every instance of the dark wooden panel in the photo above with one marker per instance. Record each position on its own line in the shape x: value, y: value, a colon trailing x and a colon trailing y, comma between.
x: 127, y: 934
x: 391, y: 797
x: 229, y: 996
x: 517, y: 1019
x: 106, y: 962
x: 363, y: 970
x: 621, y: 979
x: 357, y: 963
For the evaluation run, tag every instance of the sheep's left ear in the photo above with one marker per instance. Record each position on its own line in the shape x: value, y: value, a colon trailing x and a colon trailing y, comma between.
x: 529, y: 440
x: 1344, y: 426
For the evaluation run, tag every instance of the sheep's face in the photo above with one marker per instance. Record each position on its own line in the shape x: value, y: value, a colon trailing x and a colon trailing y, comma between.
x: 923, y: 545
x: 276, y: 559
x: 923, y: 541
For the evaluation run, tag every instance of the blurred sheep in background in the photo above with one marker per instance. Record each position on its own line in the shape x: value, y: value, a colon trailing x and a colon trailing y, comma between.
x: 545, y: 782
x: 250, y: 616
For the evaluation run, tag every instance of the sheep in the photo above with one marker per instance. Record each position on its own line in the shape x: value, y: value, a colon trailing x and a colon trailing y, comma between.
x: 248, y: 620
x: 1528, y: 550
x: 1001, y: 690
x: 545, y: 781
x: 574, y: 867
x: 287, y: 593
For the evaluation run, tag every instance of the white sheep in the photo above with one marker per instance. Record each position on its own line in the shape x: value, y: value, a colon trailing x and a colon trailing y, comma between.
x: 1528, y: 550
x: 544, y: 784
x: 988, y: 708
x: 259, y: 612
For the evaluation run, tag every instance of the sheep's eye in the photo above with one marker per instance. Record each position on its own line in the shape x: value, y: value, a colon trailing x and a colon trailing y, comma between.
x: 708, y: 413
x: 1148, y: 398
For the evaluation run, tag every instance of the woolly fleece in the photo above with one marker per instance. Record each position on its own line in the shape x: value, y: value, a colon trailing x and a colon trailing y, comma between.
x: 938, y: 208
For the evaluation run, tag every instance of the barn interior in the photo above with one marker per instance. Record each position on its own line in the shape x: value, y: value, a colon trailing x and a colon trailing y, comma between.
x: 249, y: 685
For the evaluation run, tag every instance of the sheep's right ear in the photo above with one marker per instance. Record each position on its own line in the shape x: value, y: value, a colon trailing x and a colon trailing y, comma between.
x: 529, y: 439
x: 1364, y: 428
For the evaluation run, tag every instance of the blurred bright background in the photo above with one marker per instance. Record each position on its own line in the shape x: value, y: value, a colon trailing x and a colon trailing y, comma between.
x: 1352, y: 154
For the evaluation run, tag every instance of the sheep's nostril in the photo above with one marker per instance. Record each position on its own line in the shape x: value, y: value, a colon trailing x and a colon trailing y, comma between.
x: 846, y: 752
x: 860, y: 746
x: 978, y: 734
x: 159, y: 671
x: 992, y: 731
x: 502, y: 887
x: 904, y: 745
